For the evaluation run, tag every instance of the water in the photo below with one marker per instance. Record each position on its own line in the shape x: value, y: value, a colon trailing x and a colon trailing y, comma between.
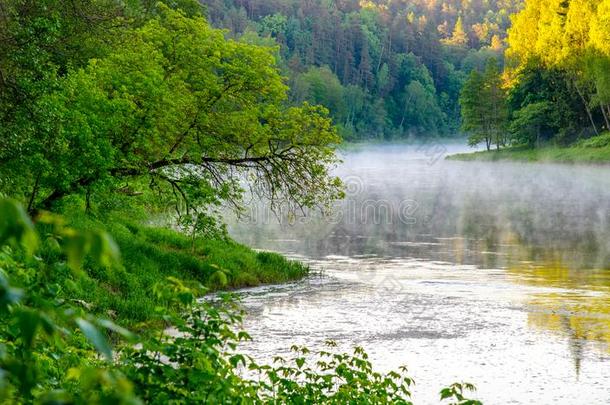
x: 491, y: 273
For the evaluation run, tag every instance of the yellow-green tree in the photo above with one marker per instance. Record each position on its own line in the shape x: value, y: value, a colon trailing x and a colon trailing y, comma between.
x: 570, y: 36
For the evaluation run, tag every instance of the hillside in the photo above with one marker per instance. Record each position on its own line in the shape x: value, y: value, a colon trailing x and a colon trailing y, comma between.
x: 385, y: 69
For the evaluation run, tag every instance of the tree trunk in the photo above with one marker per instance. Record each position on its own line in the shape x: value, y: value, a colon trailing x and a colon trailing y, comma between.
x: 34, y: 194
x: 606, y: 114
x: 584, y: 101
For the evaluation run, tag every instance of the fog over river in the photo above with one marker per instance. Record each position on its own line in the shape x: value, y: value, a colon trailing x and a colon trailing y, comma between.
x: 492, y: 273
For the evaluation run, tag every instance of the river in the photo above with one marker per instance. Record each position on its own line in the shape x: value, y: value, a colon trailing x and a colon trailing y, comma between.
x: 492, y: 273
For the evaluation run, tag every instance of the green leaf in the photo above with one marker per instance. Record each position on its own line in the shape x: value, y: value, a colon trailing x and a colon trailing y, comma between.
x: 103, y: 249
x: 8, y: 295
x: 127, y: 334
x: 76, y: 247
x: 96, y: 338
x: 28, y: 321
x: 15, y: 226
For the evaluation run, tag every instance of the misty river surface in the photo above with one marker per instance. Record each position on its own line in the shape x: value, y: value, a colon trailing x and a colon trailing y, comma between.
x: 492, y: 273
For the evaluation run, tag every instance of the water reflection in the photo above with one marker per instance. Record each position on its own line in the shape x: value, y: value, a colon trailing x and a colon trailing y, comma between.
x: 510, y: 263
x: 578, y: 309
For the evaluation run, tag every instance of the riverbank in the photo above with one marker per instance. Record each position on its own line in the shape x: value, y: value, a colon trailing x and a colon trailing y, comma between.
x: 593, y: 150
x: 150, y: 255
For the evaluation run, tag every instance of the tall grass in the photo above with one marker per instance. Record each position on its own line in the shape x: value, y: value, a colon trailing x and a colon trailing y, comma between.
x: 150, y: 255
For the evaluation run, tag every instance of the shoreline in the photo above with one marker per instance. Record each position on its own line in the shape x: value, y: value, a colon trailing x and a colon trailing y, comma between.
x: 547, y: 154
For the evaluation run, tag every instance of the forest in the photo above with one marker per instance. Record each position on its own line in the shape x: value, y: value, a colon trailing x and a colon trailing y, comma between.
x: 385, y: 69
x: 555, y: 85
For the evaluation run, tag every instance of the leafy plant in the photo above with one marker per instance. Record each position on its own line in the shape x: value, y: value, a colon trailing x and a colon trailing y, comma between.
x: 41, y: 333
x: 52, y: 350
x: 456, y: 393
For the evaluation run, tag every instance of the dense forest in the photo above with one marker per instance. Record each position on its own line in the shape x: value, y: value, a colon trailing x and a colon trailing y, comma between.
x: 385, y: 69
x: 555, y: 87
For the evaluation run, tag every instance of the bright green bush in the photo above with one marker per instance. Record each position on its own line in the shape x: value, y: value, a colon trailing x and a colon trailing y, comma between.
x: 600, y: 141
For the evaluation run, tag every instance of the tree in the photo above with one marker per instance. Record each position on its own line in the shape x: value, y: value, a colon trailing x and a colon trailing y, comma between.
x: 570, y: 36
x: 364, y: 43
x: 598, y: 61
x: 421, y: 109
x: 459, y: 36
x: 494, y: 98
x: 321, y: 86
x: 536, y: 84
x: 528, y: 122
x: 484, y: 108
x: 473, y: 110
x: 179, y: 110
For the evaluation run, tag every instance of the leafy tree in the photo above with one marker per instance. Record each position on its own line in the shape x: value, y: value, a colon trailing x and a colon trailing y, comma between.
x: 380, y: 47
x: 473, y: 110
x: 484, y: 107
x: 494, y: 98
x: 536, y: 84
x: 321, y: 86
x: 528, y: 122
x: 421, y: 109
x: 598, y: 66
x: 459, y: 36
x: 273, y: 25
x: 177, y: 108
x: 571, y: 37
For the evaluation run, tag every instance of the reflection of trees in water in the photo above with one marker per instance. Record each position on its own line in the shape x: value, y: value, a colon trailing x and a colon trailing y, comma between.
x: 578, y: 310
x: 547, y: 225
x: 468, y: 227
x: 486, y: 214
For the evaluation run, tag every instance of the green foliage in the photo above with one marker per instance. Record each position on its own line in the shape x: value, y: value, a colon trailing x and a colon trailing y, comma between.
x: 600, y: 141
x: 565, y: 118
x: 170, y: 113
x: 473, y: 110
x: 42, y: 334
x: 376, y: 50
x: 456, y: 391
x: 484, y: 107
x: 51, y: 349
x: 564, y: 45
x: 528, y: 122
x: 334, y: 378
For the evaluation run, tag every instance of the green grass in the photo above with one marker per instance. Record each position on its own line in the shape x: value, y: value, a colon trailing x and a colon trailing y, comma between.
x: 592, y: 150
x: 149, y: 255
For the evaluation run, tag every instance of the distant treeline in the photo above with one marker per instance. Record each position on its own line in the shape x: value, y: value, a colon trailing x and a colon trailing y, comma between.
x: 385, y: 69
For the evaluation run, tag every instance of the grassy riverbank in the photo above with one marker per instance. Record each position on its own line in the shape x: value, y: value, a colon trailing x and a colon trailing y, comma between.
x: 593, y: 150
x: 150, y: 255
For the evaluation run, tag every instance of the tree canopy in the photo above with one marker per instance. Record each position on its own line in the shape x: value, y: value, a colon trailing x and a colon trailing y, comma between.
x: 569, y: 39
x: 556, y: 75
x: 168, y: 108
x: 484, y: 107
x: 384, y: 55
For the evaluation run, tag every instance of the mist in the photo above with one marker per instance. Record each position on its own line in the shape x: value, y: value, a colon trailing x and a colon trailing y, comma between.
x: 489, y: 272
x: 409, y: 201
